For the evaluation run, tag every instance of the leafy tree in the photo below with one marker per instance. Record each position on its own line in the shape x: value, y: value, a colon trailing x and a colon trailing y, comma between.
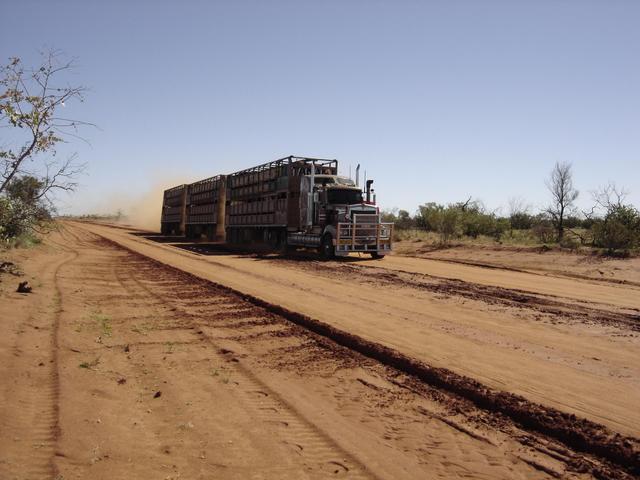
x: 473, y: 220
x: 26, y: 189
x: 446, y: 221
x: 404, y: 220
x: 389, y: 215
x: 30, y: 101
x: 423, y: 218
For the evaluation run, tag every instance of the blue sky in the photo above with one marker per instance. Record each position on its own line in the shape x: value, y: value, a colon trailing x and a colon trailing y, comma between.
x: 437, y: 100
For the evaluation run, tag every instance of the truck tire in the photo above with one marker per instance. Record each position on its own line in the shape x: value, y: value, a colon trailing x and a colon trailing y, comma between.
x: 377, y: 256
x: 327, y: 250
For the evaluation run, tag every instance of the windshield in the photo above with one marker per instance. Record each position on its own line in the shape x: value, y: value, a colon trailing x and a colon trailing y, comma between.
x: 344, y: 196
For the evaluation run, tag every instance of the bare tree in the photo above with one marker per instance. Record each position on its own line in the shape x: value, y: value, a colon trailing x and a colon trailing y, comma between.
x: 517, y: 205
x: 30, y: 101
x: 609, y: 197
x: 563, y: 194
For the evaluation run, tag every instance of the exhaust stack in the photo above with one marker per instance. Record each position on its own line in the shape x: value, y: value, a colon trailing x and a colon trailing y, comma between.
x: 369, y: 182
x: 358, y: 175
x: 310, y: 202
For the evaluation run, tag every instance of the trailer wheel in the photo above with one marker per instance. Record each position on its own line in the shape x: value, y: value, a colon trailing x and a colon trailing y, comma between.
x: 377, y: 256
x: 327, y: 250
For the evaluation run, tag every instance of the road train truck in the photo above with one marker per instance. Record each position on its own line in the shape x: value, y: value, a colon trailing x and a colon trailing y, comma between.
x: 288, y: 203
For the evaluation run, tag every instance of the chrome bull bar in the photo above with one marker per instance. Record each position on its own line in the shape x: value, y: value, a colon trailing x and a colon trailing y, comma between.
x: 365, y: 234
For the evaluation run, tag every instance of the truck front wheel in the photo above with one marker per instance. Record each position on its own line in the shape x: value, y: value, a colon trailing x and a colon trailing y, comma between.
x: 327, y: 250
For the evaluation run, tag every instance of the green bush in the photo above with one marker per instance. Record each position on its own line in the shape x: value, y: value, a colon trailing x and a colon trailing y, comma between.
x: 460, y: 219
x: 475, y: 222
x: 16, y: 218
x: 501, y: 226
x: 22, y: 211
x: 401, y: 220
x: 619, y: 229
x: 520, y: 221
x: 438, y: 218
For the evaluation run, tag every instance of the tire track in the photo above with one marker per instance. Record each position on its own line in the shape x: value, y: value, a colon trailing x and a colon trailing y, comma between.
x: 322, y: 456
x: 556, y: 307
x: 36, y: 391
x: 542, y: 273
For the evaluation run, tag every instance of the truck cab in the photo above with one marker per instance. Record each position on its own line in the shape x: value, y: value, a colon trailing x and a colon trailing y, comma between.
x: 339, y: 218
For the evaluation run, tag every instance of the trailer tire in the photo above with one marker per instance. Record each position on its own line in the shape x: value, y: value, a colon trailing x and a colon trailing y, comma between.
x: 327, y: 250
x: 377, y: 256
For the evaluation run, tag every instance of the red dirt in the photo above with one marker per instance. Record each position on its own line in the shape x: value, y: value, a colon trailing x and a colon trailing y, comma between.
x: 119, y: 365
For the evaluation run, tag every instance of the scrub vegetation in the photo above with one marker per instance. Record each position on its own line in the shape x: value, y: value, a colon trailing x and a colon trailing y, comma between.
x: 611, y: 226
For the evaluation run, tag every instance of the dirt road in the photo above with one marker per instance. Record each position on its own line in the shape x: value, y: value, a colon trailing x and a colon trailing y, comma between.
x: 564, y: 350
x: 119, y: 366
x: 540, y: 259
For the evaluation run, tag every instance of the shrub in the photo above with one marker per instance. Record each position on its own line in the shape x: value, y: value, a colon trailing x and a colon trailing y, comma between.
x: 401, y: 220
x: 22, y: 210
x: 459, y: 219
x: 476, y: 223
x: 440, y: 219
x: 501, y: 226
x: 619, y: 229
x: 569, y: 242
x: 425, y: 216
x: 543, y: 229
x: 520, y: 221
x: 16, y: 218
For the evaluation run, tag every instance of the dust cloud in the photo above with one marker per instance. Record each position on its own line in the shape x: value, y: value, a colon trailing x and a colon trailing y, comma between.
x: 143, y: 210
